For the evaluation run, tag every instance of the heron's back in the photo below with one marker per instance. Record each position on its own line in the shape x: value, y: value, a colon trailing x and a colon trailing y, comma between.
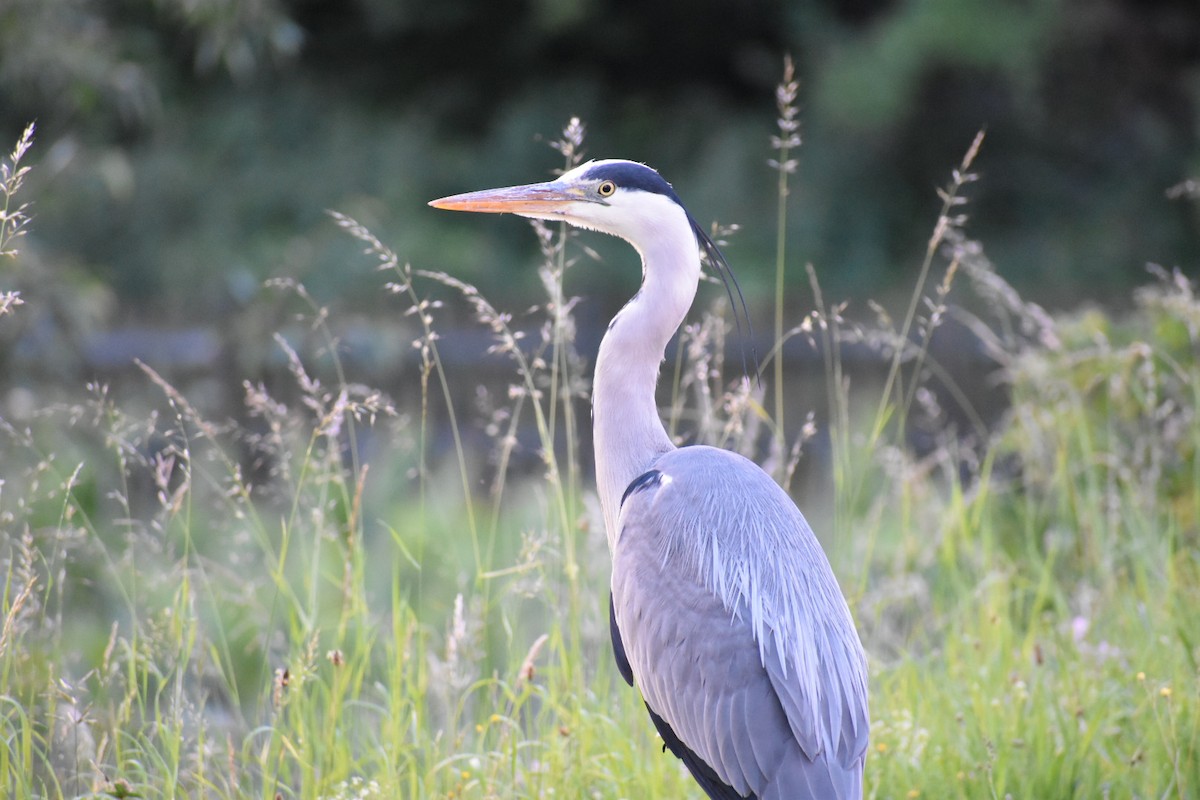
x: 736, y: 629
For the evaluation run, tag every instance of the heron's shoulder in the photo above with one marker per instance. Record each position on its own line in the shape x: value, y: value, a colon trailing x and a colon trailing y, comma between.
x: 695, y: 493
x: 712, y: 472
x: 703, y: 459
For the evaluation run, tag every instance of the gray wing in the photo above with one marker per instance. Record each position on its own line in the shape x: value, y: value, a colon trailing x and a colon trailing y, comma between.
x: 734, y: 629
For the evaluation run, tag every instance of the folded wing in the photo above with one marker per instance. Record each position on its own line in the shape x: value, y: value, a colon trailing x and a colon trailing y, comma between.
x: 727, y: 616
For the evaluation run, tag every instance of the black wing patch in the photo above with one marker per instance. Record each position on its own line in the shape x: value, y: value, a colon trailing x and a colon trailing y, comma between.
x: 618, y: 646
x: 709, y: 781
x: 647, y: 480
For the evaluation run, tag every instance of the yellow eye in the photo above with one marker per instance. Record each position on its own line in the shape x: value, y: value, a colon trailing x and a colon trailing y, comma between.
x: 606, y: 189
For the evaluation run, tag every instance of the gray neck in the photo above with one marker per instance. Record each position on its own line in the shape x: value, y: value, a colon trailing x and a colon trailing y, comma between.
x: 627, y: 431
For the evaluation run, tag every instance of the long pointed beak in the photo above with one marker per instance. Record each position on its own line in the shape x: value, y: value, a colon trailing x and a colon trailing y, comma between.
x: 535, y: 199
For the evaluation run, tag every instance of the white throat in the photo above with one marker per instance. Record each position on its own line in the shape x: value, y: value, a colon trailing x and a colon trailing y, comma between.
x: 627, y: 431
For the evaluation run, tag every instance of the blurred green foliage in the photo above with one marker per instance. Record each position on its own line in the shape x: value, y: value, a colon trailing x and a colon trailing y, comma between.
x: 188, y: 148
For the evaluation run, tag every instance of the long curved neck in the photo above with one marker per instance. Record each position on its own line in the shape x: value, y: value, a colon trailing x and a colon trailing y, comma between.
x: 627, y: 432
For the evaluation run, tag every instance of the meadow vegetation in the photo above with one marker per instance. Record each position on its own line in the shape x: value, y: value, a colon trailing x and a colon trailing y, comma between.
x: 336, y: 595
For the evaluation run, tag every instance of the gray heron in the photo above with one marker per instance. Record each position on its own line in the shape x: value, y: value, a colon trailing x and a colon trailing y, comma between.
x: 724, y: 610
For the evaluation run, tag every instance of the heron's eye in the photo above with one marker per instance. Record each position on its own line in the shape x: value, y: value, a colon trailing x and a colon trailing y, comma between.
x: 606, y: 189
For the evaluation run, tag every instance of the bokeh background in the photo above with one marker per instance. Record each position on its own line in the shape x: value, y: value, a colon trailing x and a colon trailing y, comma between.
x: 309, y: 564
x: 188, y: 149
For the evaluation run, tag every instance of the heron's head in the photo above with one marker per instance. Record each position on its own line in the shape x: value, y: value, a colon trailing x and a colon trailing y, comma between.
x: 622, y: 198
x: 614, y: 196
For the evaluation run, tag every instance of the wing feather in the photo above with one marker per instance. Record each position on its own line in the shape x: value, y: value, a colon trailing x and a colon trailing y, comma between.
x: 618, y: 646
x: 734, y: 630
x: 709, y: 781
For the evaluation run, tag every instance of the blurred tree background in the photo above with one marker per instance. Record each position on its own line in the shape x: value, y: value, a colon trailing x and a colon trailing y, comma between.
x: 188, y: 149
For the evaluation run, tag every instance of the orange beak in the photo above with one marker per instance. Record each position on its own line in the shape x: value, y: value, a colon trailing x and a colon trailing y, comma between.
x: 535, y: 199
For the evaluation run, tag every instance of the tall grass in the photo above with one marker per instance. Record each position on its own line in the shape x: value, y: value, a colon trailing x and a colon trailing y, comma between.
x: 14, y: 217
x: 785, y: 165
x: 340, y: 595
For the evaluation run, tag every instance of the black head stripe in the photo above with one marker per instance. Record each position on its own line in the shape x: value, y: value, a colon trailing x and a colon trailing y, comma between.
x: 631, y: 175
x: 716, y: 259
x: 628, y: 175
